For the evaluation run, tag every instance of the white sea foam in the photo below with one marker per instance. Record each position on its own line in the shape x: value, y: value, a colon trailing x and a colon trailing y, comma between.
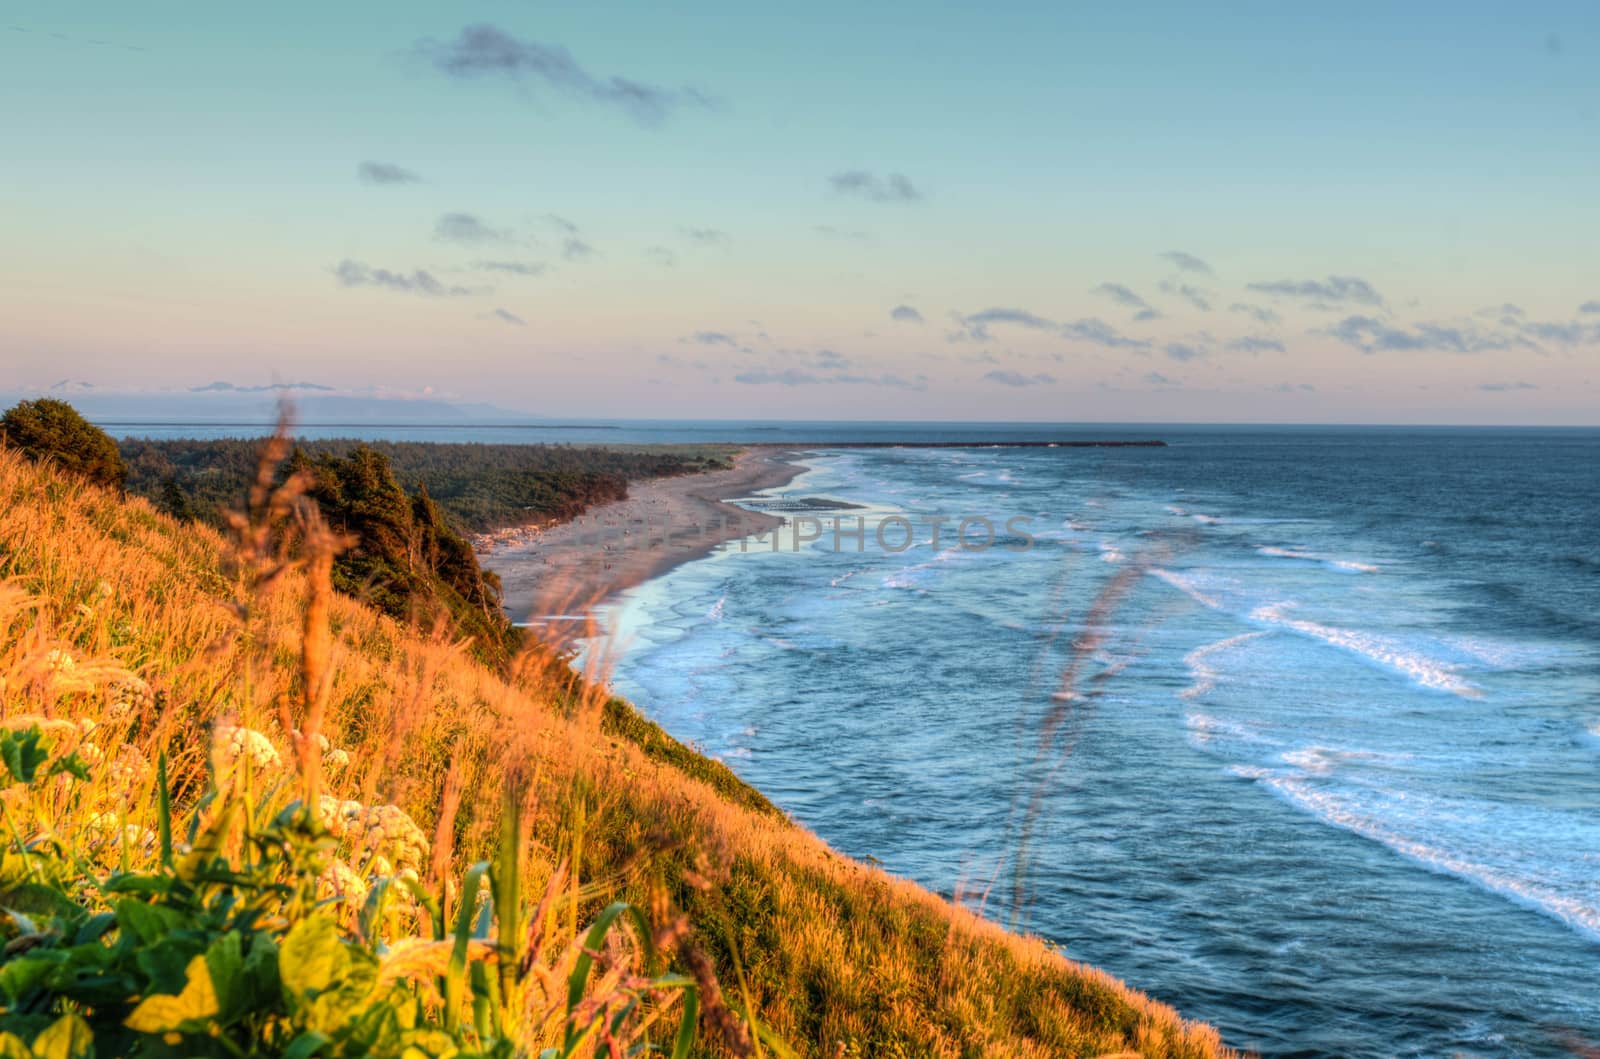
x: 1509, y: 872
x: 1188, y: 584
x: 1425, y: 671
x: 1327, y: 560
x: 1198, y: 661
x: 715, y: 613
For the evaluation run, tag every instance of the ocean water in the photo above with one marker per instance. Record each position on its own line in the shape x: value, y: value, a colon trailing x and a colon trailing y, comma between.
x: 1297, y: 730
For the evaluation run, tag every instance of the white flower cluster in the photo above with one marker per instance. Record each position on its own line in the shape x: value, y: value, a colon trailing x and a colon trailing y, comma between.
x: 383, y: 829
x: 232, y: 744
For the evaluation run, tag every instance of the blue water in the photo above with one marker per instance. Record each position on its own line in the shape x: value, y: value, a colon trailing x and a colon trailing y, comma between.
x: 1296, y: 730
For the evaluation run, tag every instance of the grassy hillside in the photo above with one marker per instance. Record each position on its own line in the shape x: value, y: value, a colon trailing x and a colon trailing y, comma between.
x: 135, y: 635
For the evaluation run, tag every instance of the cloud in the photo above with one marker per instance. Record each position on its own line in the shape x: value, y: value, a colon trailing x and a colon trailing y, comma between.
x: 1506, y: 312
x: 560, y: 223
x: 506, y: 316
x: 385, y: 173
x: 1186, y: 262
x: 486, y: 51
x: 1016, y: 378
x: 1195, y: 296
x: 895, y: 187
x: 1334, y: 289
x: 1575, y: 333
x: 276, y: 387
x: 1183, y: 352
x: 705, y: 236
x: 977, y: 324
x: 1093, y: 329
x: 419, y: 281
x: 1590, y: 306
x: 1155, y: 378
x: 576, y: 249
x: 1290, y: 387
x: 906, y: 314
x: 1256, y: 313
x: 1375, y: 336
x: 466, y: 228
x: 516, y: 268
x: 830, y: 360
x: 660, y: 255
x: 1503, y: 387
x: 799, y: 377
x: 1122, y: 296
x: 713, y: 338
x: 1255, y: 344
x: 828, y: 231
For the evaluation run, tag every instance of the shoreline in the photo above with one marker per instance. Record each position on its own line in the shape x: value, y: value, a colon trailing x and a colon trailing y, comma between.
x: 561, y: 572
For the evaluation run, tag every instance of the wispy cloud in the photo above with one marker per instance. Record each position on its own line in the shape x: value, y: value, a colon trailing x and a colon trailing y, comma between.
x: 801, y: 377
x: 895, y: 187
x: 485, y: 51
x: 1335, y: 289
x: 1183, y: 352
x: 467, y: 228
x: 1016, y: 378
x: 1186, y: 262
x: 515, y: 268
x: 828, y: 231
x: 385, y: 173
x: 1092, y: 329
x: 1255, y: 344
x: 1155, y: 378
x: 1371, y: 335
x: 713, y: 338
x: 905, y: 314
x: 418, y: 281
x: 1195, y: 296
x: 1256, y: 313
x: 575, y: 249
x: 660, y: 255
x: 706, y: 236
x: 506, y: 316
x: 1590, y: 306
x: 1122, y: 296
x: 1504, y: 387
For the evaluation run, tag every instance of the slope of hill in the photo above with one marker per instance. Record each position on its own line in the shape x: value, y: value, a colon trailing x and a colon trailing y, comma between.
x: 153, y: 632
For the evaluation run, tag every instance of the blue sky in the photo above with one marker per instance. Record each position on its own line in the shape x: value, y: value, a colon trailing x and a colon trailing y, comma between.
x: 1154, y: 211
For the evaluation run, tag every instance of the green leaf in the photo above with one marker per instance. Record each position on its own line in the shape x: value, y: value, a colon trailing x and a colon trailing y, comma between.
x: 72, y: 764
x: 69, y: 1037
x: 305, y: 1045
x: 23, y: 752
x: 225, y: 961
x: 313, y: 958
x: 164, y: 1013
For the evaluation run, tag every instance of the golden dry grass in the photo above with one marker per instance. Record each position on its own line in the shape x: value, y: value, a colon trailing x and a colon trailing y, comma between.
x: 143, y: 634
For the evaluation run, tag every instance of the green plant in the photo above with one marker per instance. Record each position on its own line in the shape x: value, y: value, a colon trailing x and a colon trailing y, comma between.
x: 50, y: 430
x: 233, y: 944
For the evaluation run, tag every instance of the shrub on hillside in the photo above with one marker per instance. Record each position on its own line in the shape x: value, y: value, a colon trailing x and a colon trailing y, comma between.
x: 50, y: 430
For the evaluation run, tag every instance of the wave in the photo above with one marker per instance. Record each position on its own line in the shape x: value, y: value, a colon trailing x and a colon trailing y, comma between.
x: 1527, y: 887
x: 1205, y: 678
x: 1326, y: 560
x: 1425, y: 671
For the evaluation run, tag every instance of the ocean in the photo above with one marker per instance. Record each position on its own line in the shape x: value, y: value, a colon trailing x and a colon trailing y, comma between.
x: 1296, y: 729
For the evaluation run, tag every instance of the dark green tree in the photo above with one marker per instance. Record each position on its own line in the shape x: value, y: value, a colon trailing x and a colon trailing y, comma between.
x: 51, y: 431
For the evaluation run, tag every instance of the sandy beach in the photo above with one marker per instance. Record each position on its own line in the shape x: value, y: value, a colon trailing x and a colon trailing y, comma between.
x: 568, y: 568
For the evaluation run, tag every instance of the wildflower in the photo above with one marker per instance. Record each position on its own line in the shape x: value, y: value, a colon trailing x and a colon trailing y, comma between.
x: 337, y: 816
x: 335, y: 759
x: 231, y: 743
x: 340, y: 880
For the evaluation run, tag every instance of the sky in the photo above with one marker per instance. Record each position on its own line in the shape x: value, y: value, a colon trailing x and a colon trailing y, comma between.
x: 1242, y: 212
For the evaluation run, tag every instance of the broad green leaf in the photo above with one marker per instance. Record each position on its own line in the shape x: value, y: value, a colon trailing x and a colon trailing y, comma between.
x: 164, y: 1013
x: 71, y: 765
x: 225, y: 961
x: 69, y: 1037
x: 313, y: 958
x: 23, y: 752
x: 305, y: 1045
